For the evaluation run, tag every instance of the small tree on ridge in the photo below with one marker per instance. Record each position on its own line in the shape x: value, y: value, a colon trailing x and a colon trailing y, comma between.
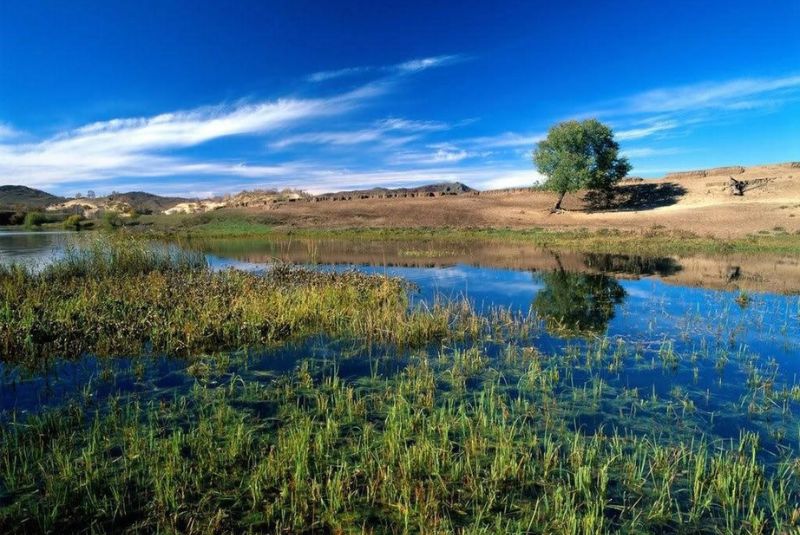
x: 577, y: 155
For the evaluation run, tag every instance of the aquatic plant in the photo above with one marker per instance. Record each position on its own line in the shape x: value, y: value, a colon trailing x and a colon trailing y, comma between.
x: 122, y: 297
x: 311, y: 451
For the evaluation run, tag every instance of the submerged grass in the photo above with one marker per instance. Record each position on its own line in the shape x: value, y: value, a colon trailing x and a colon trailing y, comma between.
x: 123, y: 297
x: 416, y: 452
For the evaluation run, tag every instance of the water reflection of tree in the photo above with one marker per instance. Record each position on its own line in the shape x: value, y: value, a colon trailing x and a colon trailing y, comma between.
x: 632, y: 265
x: 577, y: 304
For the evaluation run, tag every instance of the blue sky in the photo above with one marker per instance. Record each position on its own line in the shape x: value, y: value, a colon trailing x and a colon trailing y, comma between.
x: 200, y: 98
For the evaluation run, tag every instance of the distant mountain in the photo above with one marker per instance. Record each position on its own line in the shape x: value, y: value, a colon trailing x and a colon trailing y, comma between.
x: 430, y: 190
x: 25, y: 197
x: 14, y: 197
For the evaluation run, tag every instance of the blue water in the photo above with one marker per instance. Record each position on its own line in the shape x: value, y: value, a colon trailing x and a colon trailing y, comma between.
x: 575, y: 310
x: 650, y: 311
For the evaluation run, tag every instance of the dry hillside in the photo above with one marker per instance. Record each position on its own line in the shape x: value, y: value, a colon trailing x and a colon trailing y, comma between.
x: 698, y: 202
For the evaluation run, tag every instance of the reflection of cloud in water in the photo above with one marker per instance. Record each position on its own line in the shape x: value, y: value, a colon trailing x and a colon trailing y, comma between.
x: 484, y: 286
x: 637, y: 292
x: 512, y: 286
x: 220, y: 263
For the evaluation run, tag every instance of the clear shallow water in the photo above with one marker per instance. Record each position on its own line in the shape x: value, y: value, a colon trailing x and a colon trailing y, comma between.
x: 677, y: 339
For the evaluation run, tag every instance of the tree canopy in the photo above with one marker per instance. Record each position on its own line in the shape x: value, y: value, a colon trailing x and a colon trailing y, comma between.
x: 577, y: 155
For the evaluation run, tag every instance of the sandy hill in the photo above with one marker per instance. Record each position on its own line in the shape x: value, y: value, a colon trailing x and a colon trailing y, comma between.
x: 25, y: 197
x: 146, y: 202
x: 263, y: 197
x: 125, y: 203
x: 697, y: 201
x: 764, y: 183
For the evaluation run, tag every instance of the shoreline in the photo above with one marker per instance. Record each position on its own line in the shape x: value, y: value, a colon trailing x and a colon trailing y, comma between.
x: 651, y: 242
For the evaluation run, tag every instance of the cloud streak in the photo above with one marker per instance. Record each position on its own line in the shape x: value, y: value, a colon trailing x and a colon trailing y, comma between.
x: 388, y: 132
x: 645, y: 131
x: 406, y: 67
x: 136, y: 146
x: 668, y: 112
x: 505, y: 140
x: 7, y: 131
x: 730, y: 94
x: 650, y: 152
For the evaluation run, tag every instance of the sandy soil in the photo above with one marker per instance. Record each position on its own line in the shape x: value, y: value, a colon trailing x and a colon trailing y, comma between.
x: 699, y: 204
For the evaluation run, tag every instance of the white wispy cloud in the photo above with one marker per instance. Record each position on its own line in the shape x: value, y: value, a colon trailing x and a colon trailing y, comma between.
x: 649, y: 152
x: 504, y: 140
x: 740, y: 93
x: 510, y: 179
x: 434, y: 156
x: 396, y: 123
x: 353, y: 137
x: 322, y: 76
x: 458, y: 150
x: 670, y: 112
x: 7, y: 131
x: 391, y: 131
x: 406, y: 67
x: 442, y: 155
x: 416, y: 65
x: 645, y: 131
x: 137, y: 146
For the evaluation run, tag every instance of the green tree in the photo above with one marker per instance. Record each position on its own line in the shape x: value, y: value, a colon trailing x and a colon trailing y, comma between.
x: 577, y: 155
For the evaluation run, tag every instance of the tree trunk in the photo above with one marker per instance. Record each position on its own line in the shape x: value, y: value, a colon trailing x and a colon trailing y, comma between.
x: 557, y: 207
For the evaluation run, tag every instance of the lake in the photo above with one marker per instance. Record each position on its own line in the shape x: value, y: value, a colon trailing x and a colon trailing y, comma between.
x: 682, y: 349
x: 694, y: 303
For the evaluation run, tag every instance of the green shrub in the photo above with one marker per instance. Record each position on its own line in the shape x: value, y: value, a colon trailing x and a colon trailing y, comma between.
x: 73, y: 222
x: 35, y: 219
x: 112, y: 219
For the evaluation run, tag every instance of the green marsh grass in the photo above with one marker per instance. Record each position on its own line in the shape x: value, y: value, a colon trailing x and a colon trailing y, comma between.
x: 123, y: 297
x: 650, y: 242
